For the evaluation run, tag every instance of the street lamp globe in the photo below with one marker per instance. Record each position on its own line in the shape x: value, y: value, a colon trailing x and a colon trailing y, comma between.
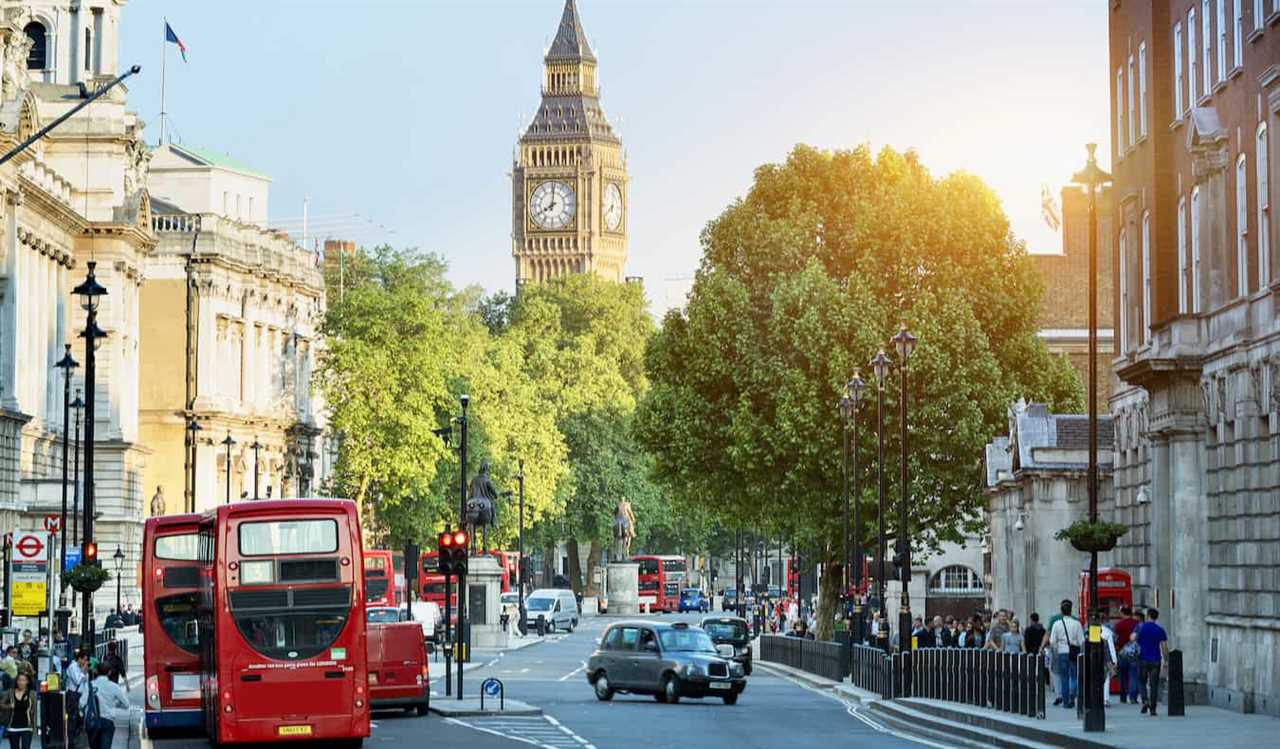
x: 854, y: 388
x: 119, y: 557
x: 904, y: 342
x: 90, y: 290
x: 880, y: 366
x: 846, y: 407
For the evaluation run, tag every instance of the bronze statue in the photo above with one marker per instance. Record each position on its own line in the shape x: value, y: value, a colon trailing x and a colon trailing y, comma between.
x: 482, y: 503
x: 624, y: 530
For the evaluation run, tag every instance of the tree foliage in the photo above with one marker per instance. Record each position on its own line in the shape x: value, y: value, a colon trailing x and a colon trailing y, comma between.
x: 801, y: 283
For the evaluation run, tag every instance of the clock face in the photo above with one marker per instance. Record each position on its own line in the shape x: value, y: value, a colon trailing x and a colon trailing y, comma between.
x: 552, y: 205
x: 612, y: 207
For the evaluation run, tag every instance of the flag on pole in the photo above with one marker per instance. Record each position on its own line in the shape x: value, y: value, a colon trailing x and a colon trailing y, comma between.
x: 169, y: 36
x: 1049, y: 209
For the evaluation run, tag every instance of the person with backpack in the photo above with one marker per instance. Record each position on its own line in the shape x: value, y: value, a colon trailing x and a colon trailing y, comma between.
x: 102, y: 703
x: 1066, y: 637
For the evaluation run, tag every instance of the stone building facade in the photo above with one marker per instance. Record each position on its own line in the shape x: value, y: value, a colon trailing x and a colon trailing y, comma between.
x: 1196, y: 116
x: 256, y: 301
x: 76, y: 196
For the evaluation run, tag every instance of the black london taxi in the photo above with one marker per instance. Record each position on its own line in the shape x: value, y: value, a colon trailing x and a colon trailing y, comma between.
x: 666, y: 660
x: 730, y: 632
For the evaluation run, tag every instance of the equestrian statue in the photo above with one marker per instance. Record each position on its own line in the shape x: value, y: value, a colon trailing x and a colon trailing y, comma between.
x: 624, y: 530
x: 482, y: 504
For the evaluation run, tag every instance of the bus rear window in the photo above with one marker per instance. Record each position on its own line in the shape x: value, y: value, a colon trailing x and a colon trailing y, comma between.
x: 648, y: 566
x: 181, y: 547
x: 177, y: 616
x: 272, y: 537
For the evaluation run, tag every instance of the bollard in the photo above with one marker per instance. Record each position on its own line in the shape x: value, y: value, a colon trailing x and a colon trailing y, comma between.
x: 1177, y: 695
x: 542, y: 625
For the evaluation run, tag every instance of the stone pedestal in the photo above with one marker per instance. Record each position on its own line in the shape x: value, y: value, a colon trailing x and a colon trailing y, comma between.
x: 624, y: 588
x: 484, y: 603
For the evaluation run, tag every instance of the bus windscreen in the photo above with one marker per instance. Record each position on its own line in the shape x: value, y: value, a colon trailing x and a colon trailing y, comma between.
x: 271, y: 537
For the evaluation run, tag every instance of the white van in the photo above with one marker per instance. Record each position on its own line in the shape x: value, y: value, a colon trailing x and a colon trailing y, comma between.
x: 556, y: 605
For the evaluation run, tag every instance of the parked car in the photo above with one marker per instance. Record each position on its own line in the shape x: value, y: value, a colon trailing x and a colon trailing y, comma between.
x: 691, y: 599
x: 666, y: 660
x: 558, y: 607
x: 730, y: 632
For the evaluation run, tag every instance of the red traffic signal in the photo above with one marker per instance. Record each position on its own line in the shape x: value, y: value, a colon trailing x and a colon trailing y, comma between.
x: 90, y: 555
x: 451, y: 553
x: 460, y: 538
x: 444, y: 539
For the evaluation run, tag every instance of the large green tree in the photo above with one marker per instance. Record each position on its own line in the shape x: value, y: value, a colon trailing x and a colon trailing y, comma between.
x: 801, y: 283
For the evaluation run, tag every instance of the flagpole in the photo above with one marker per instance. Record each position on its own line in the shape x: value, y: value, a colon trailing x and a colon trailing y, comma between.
x: 164, y: 56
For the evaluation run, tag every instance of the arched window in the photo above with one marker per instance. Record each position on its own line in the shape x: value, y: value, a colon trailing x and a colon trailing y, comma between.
x: 37, y: 57
x: 1124, y: 291
x: 88, y: 51
x: 1263, y: 164
x: 1146, y: 278
x: 1195, y: 249
x: 956, y: 579
x: 1242, y: 228
x: 1183, y: 270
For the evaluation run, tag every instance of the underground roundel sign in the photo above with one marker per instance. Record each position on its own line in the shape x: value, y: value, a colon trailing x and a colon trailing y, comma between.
x: 29, y: 547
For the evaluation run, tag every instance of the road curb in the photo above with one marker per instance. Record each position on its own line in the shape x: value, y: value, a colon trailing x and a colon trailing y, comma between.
x: 470, y: 708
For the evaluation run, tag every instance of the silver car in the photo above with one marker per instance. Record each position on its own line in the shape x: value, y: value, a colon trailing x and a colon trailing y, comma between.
x: 666, y: 660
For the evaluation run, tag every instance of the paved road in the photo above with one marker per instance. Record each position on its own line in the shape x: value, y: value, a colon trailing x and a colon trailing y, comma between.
x: 772, y: 712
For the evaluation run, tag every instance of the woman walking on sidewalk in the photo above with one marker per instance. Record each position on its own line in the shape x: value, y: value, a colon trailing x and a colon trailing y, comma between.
x: 18, y: 712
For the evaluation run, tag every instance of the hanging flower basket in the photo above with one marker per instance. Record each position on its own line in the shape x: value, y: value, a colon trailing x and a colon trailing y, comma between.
x: 86, y: 578
x: 1087, y: 536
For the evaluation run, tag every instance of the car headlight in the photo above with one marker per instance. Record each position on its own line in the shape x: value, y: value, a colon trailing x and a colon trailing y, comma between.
x: 736, y: 669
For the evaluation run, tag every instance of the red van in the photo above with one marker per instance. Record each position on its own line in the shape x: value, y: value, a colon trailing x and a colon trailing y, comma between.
x: 398, y: 675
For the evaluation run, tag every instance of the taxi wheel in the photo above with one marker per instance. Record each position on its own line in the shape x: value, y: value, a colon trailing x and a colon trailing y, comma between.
x: 731, y: 699
x: 747, y: 669
x: 671, y: 690
x: 604, y: 692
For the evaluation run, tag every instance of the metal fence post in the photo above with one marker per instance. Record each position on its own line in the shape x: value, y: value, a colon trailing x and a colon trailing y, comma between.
x: 1177, y: 692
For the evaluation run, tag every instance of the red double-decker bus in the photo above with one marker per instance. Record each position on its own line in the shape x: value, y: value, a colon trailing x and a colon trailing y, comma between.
x: 431, y: 584
x: 171, y: 572
x: 282, y: 623
x: 661, y: 577
x: 383, y: 578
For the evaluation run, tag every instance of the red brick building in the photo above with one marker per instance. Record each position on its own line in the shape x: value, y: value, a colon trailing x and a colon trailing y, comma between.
x: 1195, y: 113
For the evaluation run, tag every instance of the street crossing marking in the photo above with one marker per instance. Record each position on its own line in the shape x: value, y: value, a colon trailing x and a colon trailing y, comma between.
x: 577, y: 670
x: 541, y: 731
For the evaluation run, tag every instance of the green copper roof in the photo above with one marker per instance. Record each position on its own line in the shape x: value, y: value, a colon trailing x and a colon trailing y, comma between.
x: 213, y: 158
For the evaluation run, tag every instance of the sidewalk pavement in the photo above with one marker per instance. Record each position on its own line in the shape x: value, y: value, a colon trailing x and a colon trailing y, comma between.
x: 1127, y: 728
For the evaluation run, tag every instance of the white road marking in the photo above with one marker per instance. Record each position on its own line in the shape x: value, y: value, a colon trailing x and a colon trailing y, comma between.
x: 577, y: 670
x: 545, y: 732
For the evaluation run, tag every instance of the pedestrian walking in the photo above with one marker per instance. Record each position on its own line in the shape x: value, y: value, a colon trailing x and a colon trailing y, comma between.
x: 1153, y: 656
x: 111, y: 705
x: 18, y: 712
x: 1033, y: 635
x: 999, y: 626
x: 951, y: 633
x: 1127, y: 665
x: 1066, y: 637
x: 1011, y: 641
x: 1109, y: 659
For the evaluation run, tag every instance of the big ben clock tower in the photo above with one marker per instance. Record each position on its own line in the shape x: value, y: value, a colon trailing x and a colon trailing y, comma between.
x: 569, y: 181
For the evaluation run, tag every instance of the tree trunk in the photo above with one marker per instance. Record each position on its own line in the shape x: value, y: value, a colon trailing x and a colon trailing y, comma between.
x: 593, y: 561
x: 575, y: 566
x: 828, y: 600
x: 549, y: 567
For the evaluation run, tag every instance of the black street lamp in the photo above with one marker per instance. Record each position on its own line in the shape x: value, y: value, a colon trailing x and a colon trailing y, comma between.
x: 91, y: 293
x: 853, y: 395
x: 256, y: 446
x: 464, y: 627
x: 905, y: 343
x: 1092, y: 176
x: 66, y: 364
x: 77, y: 405
x: 227, y: 443
x: 119, y: 557
x: 193, y: 442
x: 880, y: 367
x: 520, y: 568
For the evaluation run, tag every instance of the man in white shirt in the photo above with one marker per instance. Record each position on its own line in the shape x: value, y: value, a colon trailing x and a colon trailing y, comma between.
x: 113, y: 707
x: 1108, y: 661
x: 1066, y: 637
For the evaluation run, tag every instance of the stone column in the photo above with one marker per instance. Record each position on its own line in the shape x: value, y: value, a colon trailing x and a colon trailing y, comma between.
x: 1189, y: 548
x: 484, y: 601
x: 9, y: 339
x: 624, y: 588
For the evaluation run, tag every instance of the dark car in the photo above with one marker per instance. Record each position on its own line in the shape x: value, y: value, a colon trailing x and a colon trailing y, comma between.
x: 691, y: 599
x: 666, y: 660
x: 733, y: 632
x: 729, y: 599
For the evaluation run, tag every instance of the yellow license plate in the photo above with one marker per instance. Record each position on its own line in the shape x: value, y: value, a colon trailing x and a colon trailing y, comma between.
x: 293, y: 730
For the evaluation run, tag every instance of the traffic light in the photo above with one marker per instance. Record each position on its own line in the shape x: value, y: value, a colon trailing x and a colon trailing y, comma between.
x: 90, y: 555
x: 451, y: 557
x: 411, y: 552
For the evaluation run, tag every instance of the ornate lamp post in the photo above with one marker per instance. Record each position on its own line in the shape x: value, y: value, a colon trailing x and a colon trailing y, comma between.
x: 520, y: 568
x: 193, y: 442
x: 256, y: 446
x: 853, y: 394
x: 66, y: 364
x: 880, y: 367
x: 91, y: 293
x: 227, y: 443
x: 119, y: 558
x: 77, y: 405
x: 905, y: 343
x: 1094, y: 717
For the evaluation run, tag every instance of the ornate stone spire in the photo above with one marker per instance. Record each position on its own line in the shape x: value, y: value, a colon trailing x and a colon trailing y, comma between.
x: 571, y: 41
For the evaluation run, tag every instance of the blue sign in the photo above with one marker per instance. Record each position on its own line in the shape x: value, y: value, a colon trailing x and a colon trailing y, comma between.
x: 491, y: 687
x: 73, y: 558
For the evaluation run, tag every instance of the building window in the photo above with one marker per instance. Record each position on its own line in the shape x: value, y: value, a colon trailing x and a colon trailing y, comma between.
x: 1124, y: 292
x: 1142, y: 89
x: 250, y: 207
x: 37, y: 56
x: 1193, y: 61
x: 1257, y: 13
x: 1182, y: 256
x: 1262, y: 162
x: 1206, y: 46
x: 1237, y: 41
x: 1222, y: 40
x: 1146, y: 277
x: 1133, y: 120
x: 1242, y: 228
x: 1119, y: 112
x: 88, y: 51
x: 956, y: 579
x: 1177, y: 70
x: 224, y: 203
x: 1195, y: 250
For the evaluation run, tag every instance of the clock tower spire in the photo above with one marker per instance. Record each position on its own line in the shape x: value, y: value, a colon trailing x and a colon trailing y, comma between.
x: 569, y: 180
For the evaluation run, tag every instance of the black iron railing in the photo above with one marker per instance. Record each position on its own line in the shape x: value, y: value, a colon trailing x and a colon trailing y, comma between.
x: 826, y: 659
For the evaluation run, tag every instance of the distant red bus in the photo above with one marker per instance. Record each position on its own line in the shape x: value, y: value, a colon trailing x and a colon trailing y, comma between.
x: 383, y: 578
x: 282, y: 622
x: 509, y: 561
x: 661, y: 577
x: 431, y: 585
x: 171, y: 572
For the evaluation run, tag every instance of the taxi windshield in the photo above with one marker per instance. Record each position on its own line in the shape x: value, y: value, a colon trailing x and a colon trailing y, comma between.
x: 686, y: 640
x: 726, y: 630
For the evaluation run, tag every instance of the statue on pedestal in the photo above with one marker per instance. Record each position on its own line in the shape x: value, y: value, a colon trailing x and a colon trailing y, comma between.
x: 482, y: 504
x: 624, y: 530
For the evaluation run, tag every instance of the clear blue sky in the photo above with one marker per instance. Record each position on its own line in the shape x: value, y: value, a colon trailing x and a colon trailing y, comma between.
x: 406, y: 112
